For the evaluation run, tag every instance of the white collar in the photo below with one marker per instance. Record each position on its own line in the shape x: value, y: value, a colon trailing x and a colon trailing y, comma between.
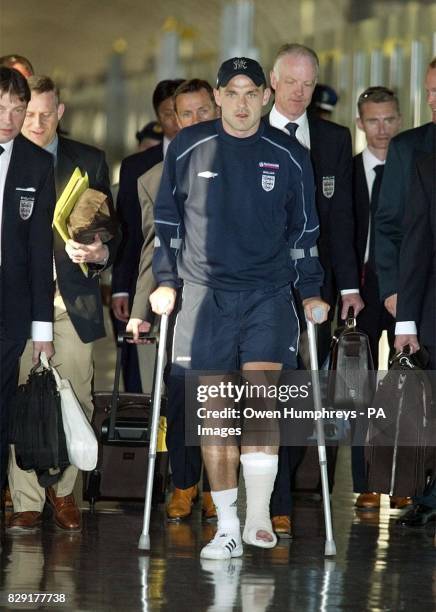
x: 370, y: 160
x: 165, y: 144
x: 7, y: 146
x: 279, y: 121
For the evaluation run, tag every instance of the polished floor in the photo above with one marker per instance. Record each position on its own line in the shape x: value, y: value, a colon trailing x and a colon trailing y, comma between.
x: 378, y: 566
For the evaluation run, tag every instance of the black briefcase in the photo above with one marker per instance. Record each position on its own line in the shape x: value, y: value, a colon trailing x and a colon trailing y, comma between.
x: 121, y: 422
x: 352, y: 378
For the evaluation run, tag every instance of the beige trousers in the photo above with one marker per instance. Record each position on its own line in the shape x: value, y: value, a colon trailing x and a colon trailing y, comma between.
x: 74, y: 360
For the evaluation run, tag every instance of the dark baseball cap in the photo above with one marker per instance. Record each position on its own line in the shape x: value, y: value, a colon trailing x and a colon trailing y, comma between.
x: 150, y: 130
x: 240, y: 65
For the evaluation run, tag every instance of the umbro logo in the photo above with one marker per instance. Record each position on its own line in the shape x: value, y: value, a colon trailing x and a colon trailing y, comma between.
x: 207, y: 174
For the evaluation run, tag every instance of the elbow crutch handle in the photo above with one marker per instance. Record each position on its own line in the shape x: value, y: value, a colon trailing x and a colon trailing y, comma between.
x: 318, y: 314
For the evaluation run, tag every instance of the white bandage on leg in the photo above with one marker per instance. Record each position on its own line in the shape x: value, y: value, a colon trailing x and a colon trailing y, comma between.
x: 260, y: 470
x: 227, y: 541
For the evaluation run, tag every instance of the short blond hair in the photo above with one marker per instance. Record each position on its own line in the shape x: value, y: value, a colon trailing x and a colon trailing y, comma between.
x: 299, y: 51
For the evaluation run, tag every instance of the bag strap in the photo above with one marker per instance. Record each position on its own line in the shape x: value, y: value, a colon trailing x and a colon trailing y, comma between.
x: 47, y: 365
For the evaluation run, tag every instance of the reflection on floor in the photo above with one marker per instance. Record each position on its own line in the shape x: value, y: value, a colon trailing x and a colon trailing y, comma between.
x: 378, y: 566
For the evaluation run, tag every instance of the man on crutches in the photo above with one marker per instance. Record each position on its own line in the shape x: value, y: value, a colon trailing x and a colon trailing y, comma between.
x: 236, y: 224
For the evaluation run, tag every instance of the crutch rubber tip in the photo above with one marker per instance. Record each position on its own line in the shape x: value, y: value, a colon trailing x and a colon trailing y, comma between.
x: 330, y: 548
x: 144, y: 542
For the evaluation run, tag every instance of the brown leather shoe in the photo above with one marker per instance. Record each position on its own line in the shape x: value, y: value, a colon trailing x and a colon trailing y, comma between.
x: 180, y: 504
x: 396, y: 502
x: 65, y: 511
x: 368, y: 501
x: 24, y: 521
x: 208, y: 507
x: 282, y: 525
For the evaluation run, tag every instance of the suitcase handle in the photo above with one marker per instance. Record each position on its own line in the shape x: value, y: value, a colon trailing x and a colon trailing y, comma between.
x: 123, y: 336
x: 153, y: 337
x: 351, y: 319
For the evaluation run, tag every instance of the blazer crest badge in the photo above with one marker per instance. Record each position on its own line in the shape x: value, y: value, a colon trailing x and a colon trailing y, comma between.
x: 26, y: 207
x: 328, y: 186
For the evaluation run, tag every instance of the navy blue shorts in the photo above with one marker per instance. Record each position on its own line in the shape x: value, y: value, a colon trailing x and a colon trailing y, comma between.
x: 223, y: 330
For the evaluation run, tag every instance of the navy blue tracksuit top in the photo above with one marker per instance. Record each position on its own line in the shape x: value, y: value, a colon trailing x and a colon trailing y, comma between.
x: 237, y: 213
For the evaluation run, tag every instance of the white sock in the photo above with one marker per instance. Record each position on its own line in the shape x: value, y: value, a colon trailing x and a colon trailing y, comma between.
x: 260, y: 470
x: 227, y: 511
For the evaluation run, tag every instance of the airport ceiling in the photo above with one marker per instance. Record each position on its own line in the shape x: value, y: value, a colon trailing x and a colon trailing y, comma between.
x: 73, y: 38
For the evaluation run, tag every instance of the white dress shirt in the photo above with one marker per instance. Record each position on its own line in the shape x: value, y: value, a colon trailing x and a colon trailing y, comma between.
x: 5, y: 158
x: 370, y: 161
x: 279, y: 121
x: 165, y: 145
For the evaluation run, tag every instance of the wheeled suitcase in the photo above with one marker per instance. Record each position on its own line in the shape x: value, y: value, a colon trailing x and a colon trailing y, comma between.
x: 121, y: 422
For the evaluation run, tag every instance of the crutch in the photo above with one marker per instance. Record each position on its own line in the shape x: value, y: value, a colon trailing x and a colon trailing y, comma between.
x: 144, y: 540
x: 330, y: 546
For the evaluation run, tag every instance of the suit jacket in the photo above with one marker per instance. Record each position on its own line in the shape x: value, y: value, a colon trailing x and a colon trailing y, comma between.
x: 125, y: 269
x: 331, y: 154
x: 27, y: 240
x: 404, y: 150
x: 81, y: 294
x: 148, y: 186
x: 417, y: 261
x: 361, y: 204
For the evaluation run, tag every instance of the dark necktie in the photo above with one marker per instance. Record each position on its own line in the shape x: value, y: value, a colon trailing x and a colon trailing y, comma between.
x: 1, y: 149
x: 292, y: 128
x: 375, y: 192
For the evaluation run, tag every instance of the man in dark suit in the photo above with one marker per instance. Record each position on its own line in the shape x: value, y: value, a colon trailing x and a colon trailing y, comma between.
x: 125, y: 269
x: 395, y: 194
x: 293, y: 78
x: 194, y: 102
x: 78, y: 320
x: 417, y: 294
x: 27, y: 200
x: 379, y: 118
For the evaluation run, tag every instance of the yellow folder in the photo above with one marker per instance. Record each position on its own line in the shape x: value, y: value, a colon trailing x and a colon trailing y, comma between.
x: 65, y: 204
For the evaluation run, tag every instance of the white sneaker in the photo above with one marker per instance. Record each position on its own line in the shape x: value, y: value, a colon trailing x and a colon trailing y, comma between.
x: 223, y: 546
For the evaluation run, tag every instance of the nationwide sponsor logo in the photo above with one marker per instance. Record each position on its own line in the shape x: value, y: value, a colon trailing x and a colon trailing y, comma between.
x: 269, y: 165
x: 268, y: 181
x: 207, y: 174
x: 26, y: 207
x: 328, y: 186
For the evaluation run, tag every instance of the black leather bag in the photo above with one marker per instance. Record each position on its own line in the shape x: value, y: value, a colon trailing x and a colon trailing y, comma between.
x: 400, y: 452
x: 352, y: 377
x: 36, y: 427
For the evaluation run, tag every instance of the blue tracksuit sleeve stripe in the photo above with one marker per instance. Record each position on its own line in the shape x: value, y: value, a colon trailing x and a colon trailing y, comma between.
x: 168, y: 226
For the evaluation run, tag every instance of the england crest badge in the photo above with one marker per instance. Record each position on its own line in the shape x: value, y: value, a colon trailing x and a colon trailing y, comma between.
x: 328, y: 186
x: 26, y: 207
x: 268, y: 181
